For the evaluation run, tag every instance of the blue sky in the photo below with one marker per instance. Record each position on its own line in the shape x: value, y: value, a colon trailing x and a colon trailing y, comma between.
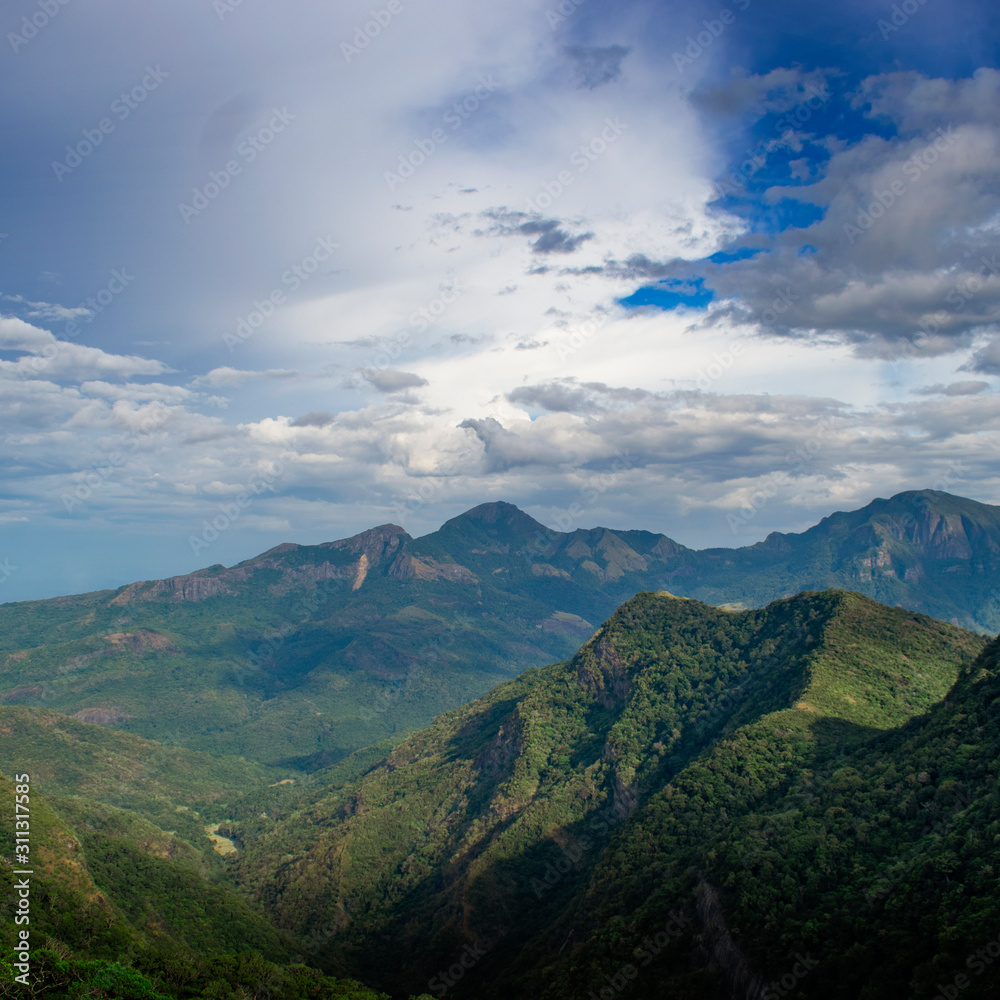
x: 274, y: 273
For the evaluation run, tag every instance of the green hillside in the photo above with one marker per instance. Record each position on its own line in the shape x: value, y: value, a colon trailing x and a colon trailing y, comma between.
x: 734, y: 782
x: 302, y: 655
x: 122, y: 910
x: 170, y: 786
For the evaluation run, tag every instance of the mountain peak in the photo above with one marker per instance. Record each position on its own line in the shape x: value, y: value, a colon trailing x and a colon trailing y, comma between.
x: 496, y: 511
x: 498, y: 520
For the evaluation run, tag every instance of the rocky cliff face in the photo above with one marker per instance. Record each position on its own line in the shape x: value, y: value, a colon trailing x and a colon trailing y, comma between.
x: 346, y: 559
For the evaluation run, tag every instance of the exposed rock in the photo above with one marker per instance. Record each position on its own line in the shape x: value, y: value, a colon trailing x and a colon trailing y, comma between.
x: 544, y: 569
x: 722, y: 951
x: 407, y: 567
x: 362, y: 572
x: 109, y: 715
x: 142, y: 641
x: 602, y: 670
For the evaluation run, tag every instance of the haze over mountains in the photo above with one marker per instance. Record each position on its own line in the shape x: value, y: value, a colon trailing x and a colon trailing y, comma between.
x: 306, y: 653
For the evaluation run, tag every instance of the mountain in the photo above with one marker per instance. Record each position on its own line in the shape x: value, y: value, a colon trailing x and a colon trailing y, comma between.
x: 697, y: 804
x: 302, y: 655
x: 928, y: 551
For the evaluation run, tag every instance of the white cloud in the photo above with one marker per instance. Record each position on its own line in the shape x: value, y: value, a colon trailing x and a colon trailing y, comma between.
x: 226, y: 376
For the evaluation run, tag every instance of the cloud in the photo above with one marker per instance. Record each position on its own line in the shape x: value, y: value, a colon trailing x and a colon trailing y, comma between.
x: 315, y: 418
x: 919, y: 104
x: 505, y: 449
x: 391, y: 380
x: 568, y: 396
x: 952, y: 389
x: 48, y: 310
x: 64, y: 360
x: 226, y: 376
x: 17, y: 335
x: 136, y: 393
x: 529, y: 395
x: 594, y: 67
x: 549, y: 236
x: 757, y: 94
x: 986, y: 360
x: 902, y: 261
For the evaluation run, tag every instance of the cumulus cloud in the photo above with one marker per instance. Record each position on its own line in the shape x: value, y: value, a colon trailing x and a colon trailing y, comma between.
x: 903, y: 261
x: 17, y: 335
x: 64, y: 360
x: 918, y: 103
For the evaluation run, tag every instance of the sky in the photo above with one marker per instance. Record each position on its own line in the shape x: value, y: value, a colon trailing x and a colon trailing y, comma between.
x: 283, y: 272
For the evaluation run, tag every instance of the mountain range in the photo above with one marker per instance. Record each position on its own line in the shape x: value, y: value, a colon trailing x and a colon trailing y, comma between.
x: 242, y: 783
x: 794, y: 801
x: 302, y: 655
